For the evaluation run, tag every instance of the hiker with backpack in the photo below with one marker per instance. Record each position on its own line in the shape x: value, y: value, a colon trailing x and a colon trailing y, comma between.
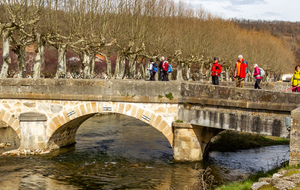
x: 165, y: 68
x: 160, y: 68
x: 257, y: 74
x: 295, y: 82
x: 240, y: 71
x: 170, y: 70
x: 216, y: 69
x: 153, y: 70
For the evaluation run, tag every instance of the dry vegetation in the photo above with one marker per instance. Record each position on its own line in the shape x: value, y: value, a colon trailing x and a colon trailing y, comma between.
x: 131, y: 32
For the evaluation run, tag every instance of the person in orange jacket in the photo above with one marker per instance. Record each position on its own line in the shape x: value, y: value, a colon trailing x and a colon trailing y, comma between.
x: 240, y: 71
x: 216, y: 69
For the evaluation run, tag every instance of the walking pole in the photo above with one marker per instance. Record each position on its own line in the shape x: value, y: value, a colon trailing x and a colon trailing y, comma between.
x: 290, y: 88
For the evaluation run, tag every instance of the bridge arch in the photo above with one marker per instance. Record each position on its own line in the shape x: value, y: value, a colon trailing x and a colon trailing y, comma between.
x: 11, y: 120
x: 62, y: 128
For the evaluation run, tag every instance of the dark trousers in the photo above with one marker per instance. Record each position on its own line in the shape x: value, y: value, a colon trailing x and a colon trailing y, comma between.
x: 152, y: 76
x: 257, y: 82
x: 215, y: 80
x: 160, y: 76
x: 165, y: 76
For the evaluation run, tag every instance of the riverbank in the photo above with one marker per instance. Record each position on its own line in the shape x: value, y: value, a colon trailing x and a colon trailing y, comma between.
x: 283, y: 178
x: 239, y: 141
x: 262, y: 180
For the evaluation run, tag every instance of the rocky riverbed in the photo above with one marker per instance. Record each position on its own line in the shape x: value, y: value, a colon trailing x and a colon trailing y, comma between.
x: 18, y: 152
x: 284, y: 179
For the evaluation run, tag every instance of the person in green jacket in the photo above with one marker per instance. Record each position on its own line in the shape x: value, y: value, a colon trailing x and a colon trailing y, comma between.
x: 296, y: 79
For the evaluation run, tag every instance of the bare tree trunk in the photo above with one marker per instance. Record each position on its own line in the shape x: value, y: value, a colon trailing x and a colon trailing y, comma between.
x: 86, y: 65
x: 142, y: 70
x: 21, y: 59
x: 147, y: 65
x: 208, y: 73
x: 39, y: 57
x: 6, y: 58
x: 201, y: 72
x: 108, y: 67
x: 179, y: 72
x: 122, y: 67
x: 188, y: 71
x: 250, y: 76
x: 227, y: 74
x: 221, y: 76
x: 92, y: 64
x: 132, y: 66
x: 117, y: 69
x: 62, y: 61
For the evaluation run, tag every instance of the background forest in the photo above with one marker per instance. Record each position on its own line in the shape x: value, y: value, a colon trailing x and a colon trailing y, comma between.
x: 117, y: 38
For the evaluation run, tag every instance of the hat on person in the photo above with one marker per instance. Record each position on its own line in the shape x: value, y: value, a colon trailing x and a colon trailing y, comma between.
x: 255, y: 65
x: 215, y: 58
x: 240, y: 56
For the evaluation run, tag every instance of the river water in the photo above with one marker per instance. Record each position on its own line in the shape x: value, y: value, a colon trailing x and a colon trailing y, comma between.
x: 120, y: 152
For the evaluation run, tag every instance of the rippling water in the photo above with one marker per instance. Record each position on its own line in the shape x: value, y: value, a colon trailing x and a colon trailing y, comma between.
x: 119, y: 152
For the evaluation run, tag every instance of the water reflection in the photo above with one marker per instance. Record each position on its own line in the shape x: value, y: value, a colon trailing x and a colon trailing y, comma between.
x: 240, y: 164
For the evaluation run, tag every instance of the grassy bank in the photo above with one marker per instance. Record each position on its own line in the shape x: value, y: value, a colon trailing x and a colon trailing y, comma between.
x: 246, y: 185
x: 228, y: 141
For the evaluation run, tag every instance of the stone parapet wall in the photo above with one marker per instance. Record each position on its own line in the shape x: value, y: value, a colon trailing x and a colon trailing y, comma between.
x: 91, y: 89
x: 272, y: 86
x: 146, y: 91
x: 238, y: 97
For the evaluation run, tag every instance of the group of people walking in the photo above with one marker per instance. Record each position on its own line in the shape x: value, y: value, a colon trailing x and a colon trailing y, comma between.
x: 164, y: 68
x: 240, y: 72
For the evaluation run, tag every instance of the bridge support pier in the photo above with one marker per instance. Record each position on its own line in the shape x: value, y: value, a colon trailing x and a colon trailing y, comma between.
x: 190, y: 141
x: 295, y: 138
x: 33, y: 131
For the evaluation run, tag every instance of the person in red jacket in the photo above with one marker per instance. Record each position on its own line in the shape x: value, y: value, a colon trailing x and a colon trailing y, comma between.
x: 216, y: 69
x: 240, y: 71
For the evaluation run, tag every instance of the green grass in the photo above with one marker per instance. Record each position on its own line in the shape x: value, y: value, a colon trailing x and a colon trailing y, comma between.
x: 246, y: 185
x: 238, y: 140
x: 243, y: 185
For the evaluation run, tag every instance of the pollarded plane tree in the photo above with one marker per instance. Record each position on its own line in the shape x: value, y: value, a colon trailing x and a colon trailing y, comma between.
x: 87, y: 50
x: 60, y: 29
x: 99, y: 47
x: 61, y: 43
x: 19, y: 48
x: 19, y: 15
x: 180, y: 61
x: 188, y: 64
x: 128, y: 52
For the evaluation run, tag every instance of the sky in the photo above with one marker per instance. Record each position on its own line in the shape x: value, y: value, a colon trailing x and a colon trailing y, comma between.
x: 281, y: 10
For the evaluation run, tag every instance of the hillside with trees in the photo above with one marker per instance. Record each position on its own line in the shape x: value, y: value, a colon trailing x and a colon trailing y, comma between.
x: 68, y: 35
x: 288, y: 31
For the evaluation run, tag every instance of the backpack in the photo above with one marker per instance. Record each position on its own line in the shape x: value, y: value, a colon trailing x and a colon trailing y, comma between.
x: 165, y: 66
x: 217, y: 67
x: 247, y: 66
x: 262, y: 72
x: 154, y: 67
x: 170, y: 69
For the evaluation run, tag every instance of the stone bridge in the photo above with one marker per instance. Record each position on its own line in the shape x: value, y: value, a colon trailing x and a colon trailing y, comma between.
x: 46, y: 113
